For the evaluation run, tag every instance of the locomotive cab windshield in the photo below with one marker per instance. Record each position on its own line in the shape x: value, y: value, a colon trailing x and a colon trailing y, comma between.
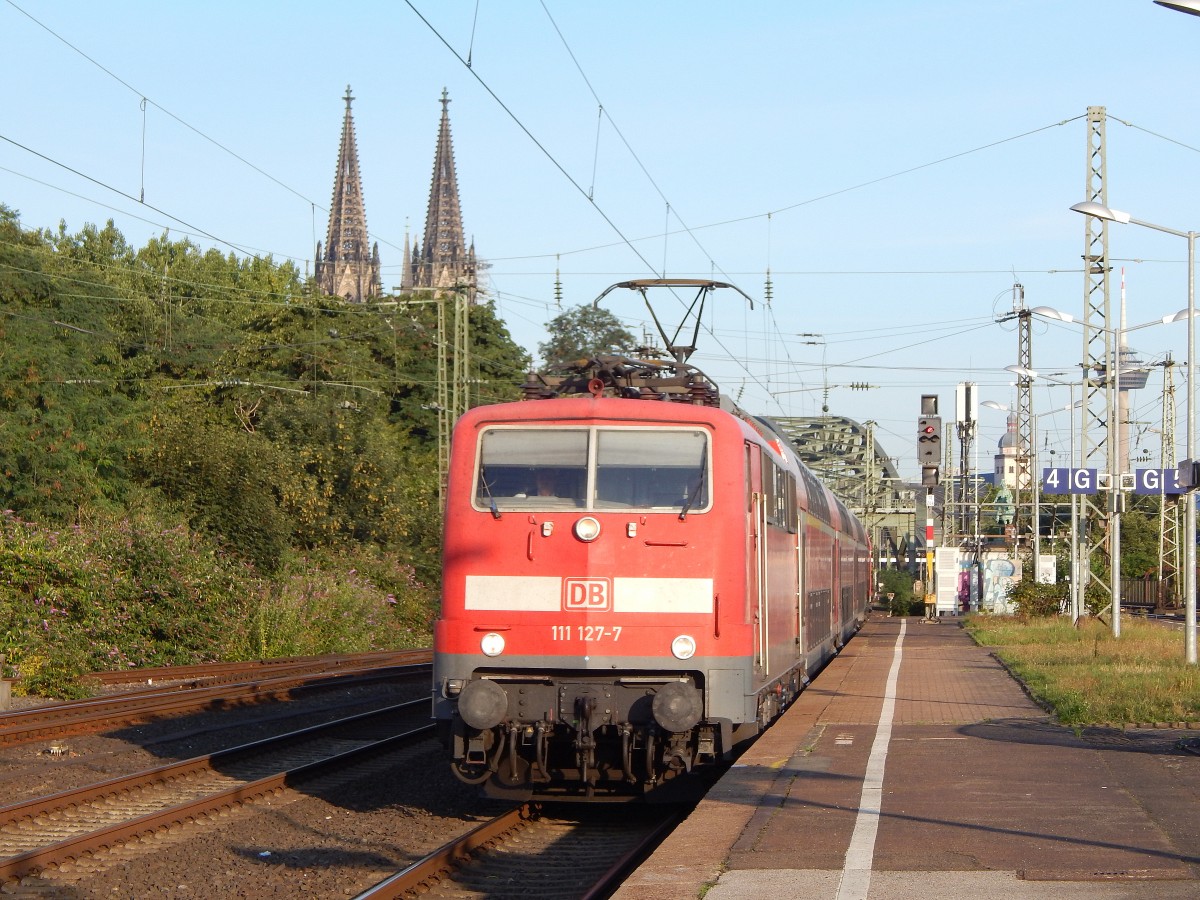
x: 652, y: 469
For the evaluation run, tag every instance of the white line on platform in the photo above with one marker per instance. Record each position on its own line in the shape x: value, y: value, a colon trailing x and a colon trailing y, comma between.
x: 856, y: 873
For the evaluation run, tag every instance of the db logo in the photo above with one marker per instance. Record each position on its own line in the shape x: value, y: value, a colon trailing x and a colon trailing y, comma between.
x: 589, y: 594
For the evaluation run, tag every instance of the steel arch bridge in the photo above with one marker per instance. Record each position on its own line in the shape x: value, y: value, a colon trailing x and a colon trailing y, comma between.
x: 846, y: 457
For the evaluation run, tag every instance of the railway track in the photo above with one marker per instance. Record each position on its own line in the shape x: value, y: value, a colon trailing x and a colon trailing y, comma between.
x: 219, y: 672
x: 222, y: 690
x: 74, y: 825
x: 1163, y: 618
x: 102, y: 833
x: 526, y: 853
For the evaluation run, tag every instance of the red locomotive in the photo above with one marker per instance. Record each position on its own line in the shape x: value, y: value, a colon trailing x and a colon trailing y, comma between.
x: 631, y: 585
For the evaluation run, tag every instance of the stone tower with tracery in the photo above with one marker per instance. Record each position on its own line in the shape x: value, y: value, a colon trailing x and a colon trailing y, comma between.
x: 444, y: 260
x: 348, y: 267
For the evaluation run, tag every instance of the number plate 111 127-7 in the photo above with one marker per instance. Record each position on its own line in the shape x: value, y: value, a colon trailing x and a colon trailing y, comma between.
x: 585, y: 633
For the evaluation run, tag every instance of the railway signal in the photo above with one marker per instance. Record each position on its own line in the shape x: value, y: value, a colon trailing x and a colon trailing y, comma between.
x: 929, y: 441
x: 929, y: 455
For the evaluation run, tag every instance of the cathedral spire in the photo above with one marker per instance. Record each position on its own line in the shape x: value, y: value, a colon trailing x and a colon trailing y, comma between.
x: 349, y: 268
x: 444, y: 259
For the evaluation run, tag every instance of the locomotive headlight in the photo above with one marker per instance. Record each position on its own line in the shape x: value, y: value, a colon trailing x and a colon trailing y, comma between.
x: 683, y: 647
x: 492, y: 644
x: 587, y: 529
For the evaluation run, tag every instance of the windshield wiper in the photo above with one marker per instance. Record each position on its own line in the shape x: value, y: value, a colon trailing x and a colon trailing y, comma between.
x: 488, y: 488
x: 687, y: 504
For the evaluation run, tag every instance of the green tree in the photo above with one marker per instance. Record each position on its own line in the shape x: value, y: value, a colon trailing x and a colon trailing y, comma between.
x: 498, y: 363
x: 226, y: 393
x: 1139, y: 544
x: 63, y: 403
x: 169, y: 389
x: 582, y: 333
x: 226, y: 480
x: 900, y: 585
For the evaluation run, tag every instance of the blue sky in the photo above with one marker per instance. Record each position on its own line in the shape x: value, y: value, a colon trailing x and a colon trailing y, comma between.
x: 896, y: 166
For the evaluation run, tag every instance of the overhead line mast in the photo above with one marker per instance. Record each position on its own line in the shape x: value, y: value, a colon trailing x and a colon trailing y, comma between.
x: 1097, y: 444
x: 1025, y: 449
x: 1169, y: 563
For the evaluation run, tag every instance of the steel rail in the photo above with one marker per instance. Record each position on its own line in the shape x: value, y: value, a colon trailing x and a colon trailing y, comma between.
x: 213, y: 670
x: 78, y: 846
x: 437, y: 864
x: 634, y: 857
x: 82, y: 716
x: 428, y: 874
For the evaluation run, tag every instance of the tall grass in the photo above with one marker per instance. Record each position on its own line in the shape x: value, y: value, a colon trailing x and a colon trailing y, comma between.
x: 1088, y: 677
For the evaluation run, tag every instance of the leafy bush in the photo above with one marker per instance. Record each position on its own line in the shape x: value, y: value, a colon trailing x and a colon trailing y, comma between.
x: 1035, y: 600
x: 137, y: 591
x: 333, y: 606
x: 124, y: 591
x: 894, y: 581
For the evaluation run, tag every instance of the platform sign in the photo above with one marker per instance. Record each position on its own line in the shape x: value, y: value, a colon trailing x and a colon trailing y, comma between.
x: 1157, y: 481
x: 1070, y: 481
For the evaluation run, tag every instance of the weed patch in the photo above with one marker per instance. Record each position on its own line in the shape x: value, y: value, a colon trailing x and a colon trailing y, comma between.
x: 1088, y: 677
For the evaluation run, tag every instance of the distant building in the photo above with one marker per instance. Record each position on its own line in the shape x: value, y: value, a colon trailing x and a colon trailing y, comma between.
x: 444, y: 259
x: 1008, y: 459
x: 347, y: 267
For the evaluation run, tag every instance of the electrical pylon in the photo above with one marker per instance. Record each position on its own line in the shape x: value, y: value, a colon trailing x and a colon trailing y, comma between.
x: 1023, y: 515
x: 1097, y: 446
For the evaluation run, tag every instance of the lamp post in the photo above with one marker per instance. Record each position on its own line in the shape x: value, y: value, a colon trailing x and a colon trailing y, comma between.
x: 1099, y: 211
x: 1192, y: 7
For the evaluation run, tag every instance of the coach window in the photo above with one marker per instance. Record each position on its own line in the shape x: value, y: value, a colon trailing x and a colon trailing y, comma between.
x: 779, y: 492
x: 532, y: 468
x: 790, y: 516
x: 656, y: 469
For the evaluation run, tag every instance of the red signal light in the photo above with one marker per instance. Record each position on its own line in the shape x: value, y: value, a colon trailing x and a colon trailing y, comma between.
x: 929, y: 440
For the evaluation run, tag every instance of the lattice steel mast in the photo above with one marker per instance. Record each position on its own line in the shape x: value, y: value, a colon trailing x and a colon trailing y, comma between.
x: 1169, y: 562
x: 1024, y: 448
x: 1099, y: 519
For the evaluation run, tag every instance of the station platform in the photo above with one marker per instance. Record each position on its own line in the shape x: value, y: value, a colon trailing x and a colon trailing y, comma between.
x: 915, y: 766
